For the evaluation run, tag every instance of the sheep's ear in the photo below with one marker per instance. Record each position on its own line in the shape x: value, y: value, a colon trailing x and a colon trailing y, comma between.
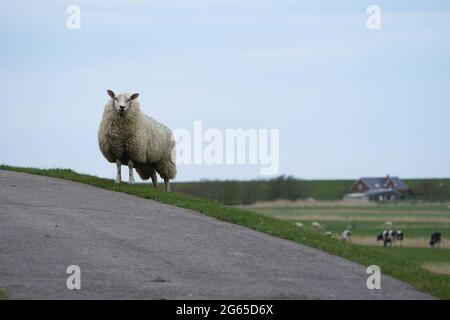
x: 111, y: 93
x: 134, y: 96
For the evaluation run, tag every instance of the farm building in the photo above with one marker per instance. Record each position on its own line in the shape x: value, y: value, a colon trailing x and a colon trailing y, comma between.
x: 385, y: 188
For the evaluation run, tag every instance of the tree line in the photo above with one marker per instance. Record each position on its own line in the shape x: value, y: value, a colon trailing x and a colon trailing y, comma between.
x: 234, y: 192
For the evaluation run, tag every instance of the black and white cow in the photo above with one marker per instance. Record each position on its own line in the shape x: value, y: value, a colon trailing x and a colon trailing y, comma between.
x: 436, y: 238
x: 398, y: 235
x: 386, y: 236
x: 390, y: 236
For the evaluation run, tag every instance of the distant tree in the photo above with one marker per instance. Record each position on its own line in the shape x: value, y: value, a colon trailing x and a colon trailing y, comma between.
x: 431, y: 189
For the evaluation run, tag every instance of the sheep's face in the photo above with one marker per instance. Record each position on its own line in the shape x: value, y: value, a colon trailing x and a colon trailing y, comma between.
x: 122, y: 102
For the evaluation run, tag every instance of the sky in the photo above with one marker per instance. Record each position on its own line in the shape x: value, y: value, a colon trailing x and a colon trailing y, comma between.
x: 347, y: 101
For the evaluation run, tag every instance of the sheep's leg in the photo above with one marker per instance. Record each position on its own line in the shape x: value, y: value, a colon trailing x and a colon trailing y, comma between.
x: 167, y: 183
x: 154, y: 179
x: 119, y: 172
x: 130, y: 171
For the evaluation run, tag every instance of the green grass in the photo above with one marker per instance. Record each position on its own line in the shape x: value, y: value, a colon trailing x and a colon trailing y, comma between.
x: 372, y: 229
x: 3, y: 295
x: 389, y: 262
x: 411, y: 229
x: 422, y: 255
x: 342, y: 216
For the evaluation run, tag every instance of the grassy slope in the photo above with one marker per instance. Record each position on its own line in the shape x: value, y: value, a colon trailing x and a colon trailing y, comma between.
x: 3, y: 295
x: 438, y: 285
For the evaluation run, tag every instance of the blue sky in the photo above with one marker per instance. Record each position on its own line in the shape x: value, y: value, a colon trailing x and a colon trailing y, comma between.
x: 348, y: 101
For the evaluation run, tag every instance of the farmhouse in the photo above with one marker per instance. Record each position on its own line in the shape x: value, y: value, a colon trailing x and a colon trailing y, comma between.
x: 387, y: 186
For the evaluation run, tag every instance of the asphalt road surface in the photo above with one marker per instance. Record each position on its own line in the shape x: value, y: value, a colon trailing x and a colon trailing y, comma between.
x: 132, y: 248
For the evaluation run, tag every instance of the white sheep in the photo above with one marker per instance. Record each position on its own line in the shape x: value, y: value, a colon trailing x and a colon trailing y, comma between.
x: 299, y: 224
x: 316, y: 225
x: 387, y: 224
x: 128, y: 136
x: 347, y: 235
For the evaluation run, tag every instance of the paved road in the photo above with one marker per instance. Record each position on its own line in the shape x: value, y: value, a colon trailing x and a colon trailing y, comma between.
x: 132, y: 248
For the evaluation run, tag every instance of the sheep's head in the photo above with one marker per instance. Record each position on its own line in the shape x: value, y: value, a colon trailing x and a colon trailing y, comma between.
x: 122, y: 101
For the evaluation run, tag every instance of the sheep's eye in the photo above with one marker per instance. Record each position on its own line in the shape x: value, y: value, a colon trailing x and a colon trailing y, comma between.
x: 128, y: 100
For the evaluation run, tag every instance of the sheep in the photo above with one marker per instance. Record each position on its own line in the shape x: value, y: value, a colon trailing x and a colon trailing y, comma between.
x: 347, y: 235
x: 128, y: 136
x: 299, y: 224
x: 329, y: 234
x: 436, y: 238
x: 316, y: 225
x: 387, y: 224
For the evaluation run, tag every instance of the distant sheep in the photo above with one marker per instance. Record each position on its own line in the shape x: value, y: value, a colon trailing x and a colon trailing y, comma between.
x: 347, y: 235
x: 387, y: 224
x: 128, y: 136
x: 436, y: 239
x: 299, y: 224
x: 316, y: 225
x: 329, y: 234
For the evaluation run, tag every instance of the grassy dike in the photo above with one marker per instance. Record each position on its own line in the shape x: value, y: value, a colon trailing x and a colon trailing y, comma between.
x: 3, y: 295
x: 390, y: 264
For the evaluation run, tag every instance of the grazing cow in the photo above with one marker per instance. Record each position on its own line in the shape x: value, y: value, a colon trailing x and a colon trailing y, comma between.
x: 436, y: 238
x: 347, y: 235
x: 386, y: 237
x: 398, y: 235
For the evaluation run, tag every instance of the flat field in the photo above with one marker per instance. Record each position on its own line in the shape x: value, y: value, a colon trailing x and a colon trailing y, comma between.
x: 417, y: 220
